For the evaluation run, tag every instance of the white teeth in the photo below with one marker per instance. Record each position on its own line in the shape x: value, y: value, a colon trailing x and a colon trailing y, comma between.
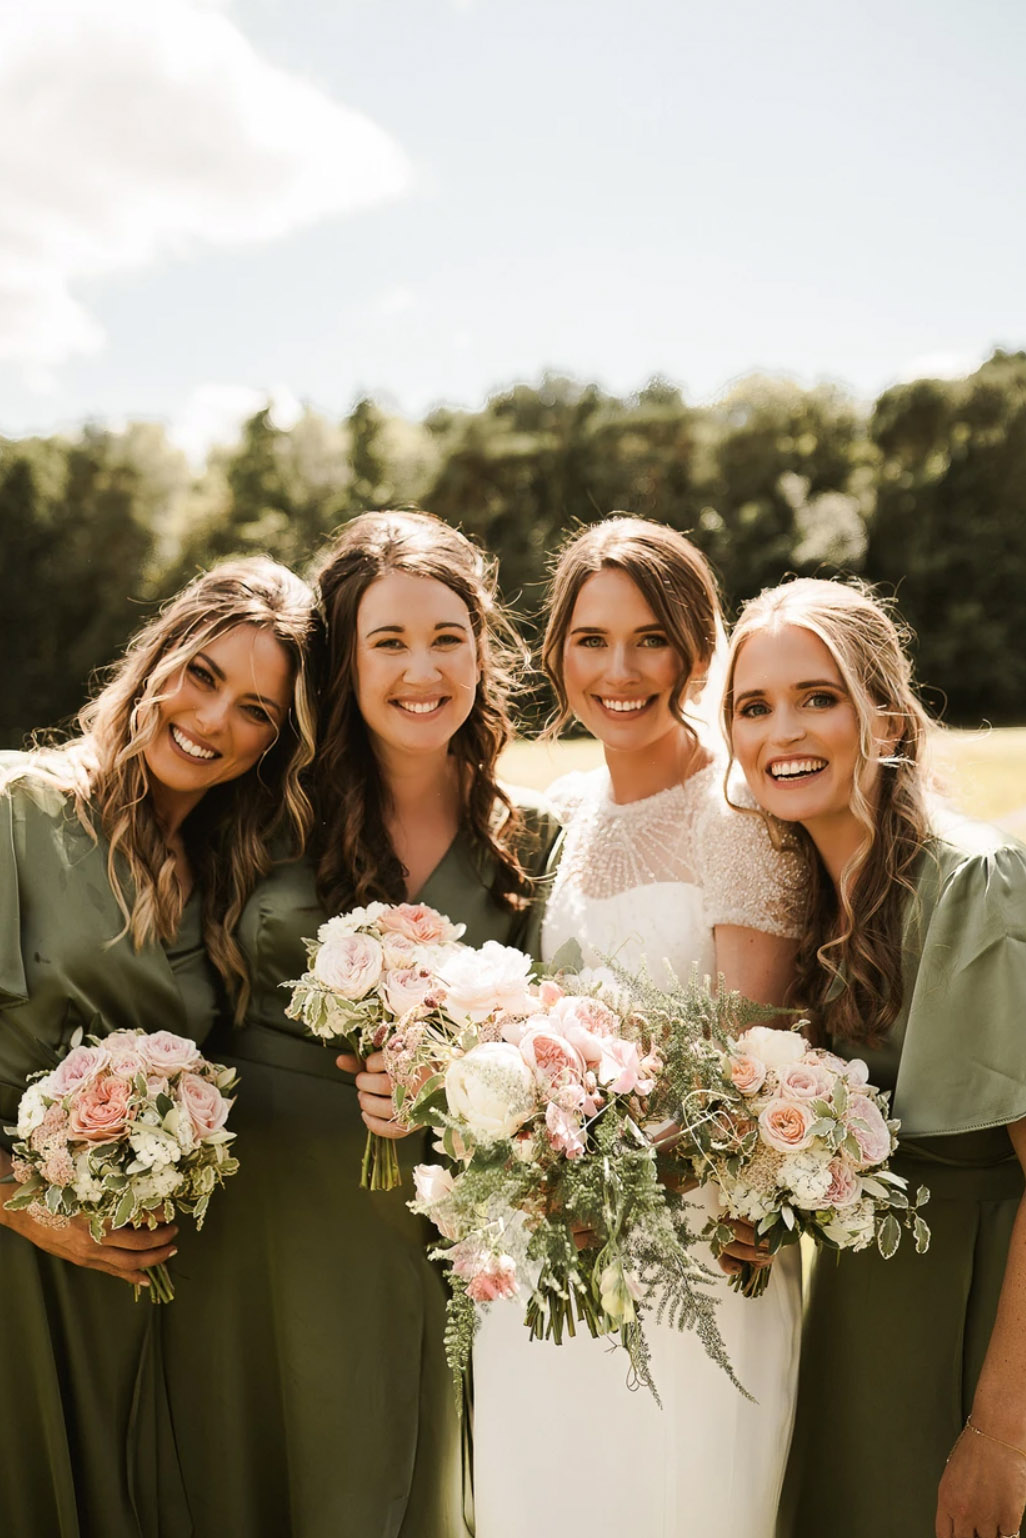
x: 192, y: 748
x: 623, y: 706
x: 794, y: 767
x: 419, y: 707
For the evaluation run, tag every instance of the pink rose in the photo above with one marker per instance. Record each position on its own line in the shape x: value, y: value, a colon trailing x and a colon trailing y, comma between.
x: 806, y: 1081
x: 621, y: 1070
x: 587, y: 1014
x: 784, y: 1125
x: 564, y: 1131
x: 747, y: 1072
x: 408, y: 989
x: 845, y: 1186
x: 549, y: 993
x: 80, y: 1065
x: 349, y: 964
x: 870, y: 1131
x: 419, y: 923
x: 125, y: 1057
x: 550, y: 1055
x: 167, y: 1053
x: 496, y: 1279
x: 100, y: 1110
x: 204, y: 1105
x: 853, y: 1069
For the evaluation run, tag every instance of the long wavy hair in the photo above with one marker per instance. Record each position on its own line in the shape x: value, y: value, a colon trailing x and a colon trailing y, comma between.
x: 229, y: 835
x: 674, y: 578
x: 849, y: 957
x: 357, y: 862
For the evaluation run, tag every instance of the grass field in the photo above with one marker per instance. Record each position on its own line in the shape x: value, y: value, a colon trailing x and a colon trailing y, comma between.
x: 983, y: 773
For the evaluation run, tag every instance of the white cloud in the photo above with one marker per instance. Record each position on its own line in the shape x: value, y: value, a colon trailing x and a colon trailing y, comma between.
x: 941, y: 365
x: 214, y: 413
x: 395, y: 301
x: 132, y: 130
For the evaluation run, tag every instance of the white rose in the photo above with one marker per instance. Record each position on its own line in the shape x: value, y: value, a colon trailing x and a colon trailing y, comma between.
x: 491, y: 1090
x: 406, y: 989
x: 31, y: 1109
x: 349, y: 923
x: 168, y: 1053
x: 775, y: 1048
x: 349, y: 964
x: 492, y: 980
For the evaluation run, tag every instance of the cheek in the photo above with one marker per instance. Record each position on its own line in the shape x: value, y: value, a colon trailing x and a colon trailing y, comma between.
x: 578, y: 667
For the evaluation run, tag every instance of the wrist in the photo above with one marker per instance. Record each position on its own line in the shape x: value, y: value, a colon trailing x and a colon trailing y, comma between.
x: 996, y: 1433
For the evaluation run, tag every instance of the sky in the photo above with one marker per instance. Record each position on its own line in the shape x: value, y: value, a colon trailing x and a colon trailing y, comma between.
x: 208, y: 203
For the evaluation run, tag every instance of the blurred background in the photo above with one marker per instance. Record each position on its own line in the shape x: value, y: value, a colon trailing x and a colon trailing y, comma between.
x: 753, y: 270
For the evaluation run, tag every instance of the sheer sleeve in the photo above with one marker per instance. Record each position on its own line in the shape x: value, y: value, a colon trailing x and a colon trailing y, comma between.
x: 963, y: 1062
x: 746, y: 880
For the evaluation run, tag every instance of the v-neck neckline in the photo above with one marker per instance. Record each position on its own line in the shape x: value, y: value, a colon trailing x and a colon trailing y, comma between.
x: 419, y: 896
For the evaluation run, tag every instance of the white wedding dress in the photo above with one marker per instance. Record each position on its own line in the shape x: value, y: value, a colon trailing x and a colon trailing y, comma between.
x: 562, y: 1447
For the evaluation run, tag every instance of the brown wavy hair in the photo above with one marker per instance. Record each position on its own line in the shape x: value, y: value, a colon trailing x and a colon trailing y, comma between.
x: 357, y: 862
x: 850, y: 950
x: 229, y: 835
x: 672, y: 575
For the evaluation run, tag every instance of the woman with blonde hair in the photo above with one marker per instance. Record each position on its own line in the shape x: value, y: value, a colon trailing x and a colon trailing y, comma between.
x: 319, y: 1303
x: 911, y: 1407
x: 656, y: 870
x: 127, y: 856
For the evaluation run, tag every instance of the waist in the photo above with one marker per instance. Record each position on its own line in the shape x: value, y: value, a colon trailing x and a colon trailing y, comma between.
x: 278, y: 1049
x: 949, y: 1181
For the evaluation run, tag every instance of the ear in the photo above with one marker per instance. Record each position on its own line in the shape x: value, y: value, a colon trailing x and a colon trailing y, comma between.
x: 888, y: 732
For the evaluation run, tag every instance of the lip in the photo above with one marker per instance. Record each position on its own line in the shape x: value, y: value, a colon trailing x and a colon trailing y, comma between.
x: 404, y: 705
x: 639, y: 705
x: 188, y: 758
x: 800, y: 777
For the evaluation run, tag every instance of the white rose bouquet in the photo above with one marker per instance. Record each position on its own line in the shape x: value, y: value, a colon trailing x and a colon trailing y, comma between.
x: 370, y: 972
x: 125, y: 1131
x: 796, y: 1139
x: 550, y: 1192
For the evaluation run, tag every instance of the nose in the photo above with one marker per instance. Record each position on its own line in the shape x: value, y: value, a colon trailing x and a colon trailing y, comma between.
x: 788, y: 726
x: 212, y: 715
x: 621, y: 663
x: 421, y: 666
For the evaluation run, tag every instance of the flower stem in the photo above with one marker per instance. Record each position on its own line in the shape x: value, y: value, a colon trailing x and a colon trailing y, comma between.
x: 380, y: 1170
x: 161, y: 1288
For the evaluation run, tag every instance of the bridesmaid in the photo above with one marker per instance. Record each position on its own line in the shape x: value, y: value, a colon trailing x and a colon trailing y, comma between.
x: 332, y: 1412
x: 912, y: 1399
x: 126, y: 856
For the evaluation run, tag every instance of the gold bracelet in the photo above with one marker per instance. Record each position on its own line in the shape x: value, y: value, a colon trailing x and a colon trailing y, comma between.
x: 987, y: 1437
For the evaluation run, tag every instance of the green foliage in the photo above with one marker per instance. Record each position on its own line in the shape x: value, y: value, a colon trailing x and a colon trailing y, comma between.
x: 925, y: 493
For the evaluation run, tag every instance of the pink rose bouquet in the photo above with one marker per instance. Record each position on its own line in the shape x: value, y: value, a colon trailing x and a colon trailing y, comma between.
x: 127, y: 1130
x: 548, y: 1192
x: 371, y: 972
x: 796, y: 1139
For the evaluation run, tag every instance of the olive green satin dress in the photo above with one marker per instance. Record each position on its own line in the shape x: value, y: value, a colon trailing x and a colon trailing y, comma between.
x: 892, y: 1350
x: 85, y: 1443
x: 313, y: 1330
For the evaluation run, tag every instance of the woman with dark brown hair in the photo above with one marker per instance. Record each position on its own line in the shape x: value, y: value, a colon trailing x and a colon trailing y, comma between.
x: 656, y: 870
x: 326, y: 1316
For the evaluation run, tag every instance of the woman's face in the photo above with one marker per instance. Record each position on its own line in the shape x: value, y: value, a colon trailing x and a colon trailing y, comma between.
x: 795, y: 731
x: 221, y: 714
x: 619, y: 669
x: 416, y: 663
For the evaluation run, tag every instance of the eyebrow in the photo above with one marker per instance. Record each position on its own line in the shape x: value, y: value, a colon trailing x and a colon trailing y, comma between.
x: 807, y: 683
x: 443, y: 624
x: 260, y: 699
x: 601, y: 629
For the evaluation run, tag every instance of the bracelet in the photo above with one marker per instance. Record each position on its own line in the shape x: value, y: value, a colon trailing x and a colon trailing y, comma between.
x: 969, y: 1426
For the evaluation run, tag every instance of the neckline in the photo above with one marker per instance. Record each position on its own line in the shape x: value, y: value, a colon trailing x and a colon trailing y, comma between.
x: 680, y: 788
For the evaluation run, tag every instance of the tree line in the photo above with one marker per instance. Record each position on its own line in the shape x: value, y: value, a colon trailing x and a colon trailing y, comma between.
x: 923, y: 491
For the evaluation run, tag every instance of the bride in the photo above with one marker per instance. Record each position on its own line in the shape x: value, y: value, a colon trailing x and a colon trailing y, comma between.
x: 656, y: 867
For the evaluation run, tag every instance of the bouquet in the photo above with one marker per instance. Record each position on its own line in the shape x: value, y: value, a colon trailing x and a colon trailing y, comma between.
x: 796, y: 1138
x: 371, y: 971
x: 127, y: 1130
x: 539, y: 1094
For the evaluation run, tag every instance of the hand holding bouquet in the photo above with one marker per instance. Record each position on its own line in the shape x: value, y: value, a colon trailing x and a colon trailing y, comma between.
x: 124, y: 1132
x: 370, y: 972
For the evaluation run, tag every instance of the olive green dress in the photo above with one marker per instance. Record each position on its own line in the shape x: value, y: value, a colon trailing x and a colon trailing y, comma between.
x: 85, y: 1445
x: 314, y: 1322
x: 892, y: 1349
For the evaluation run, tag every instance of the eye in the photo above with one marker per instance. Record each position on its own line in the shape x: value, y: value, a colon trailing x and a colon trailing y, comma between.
x: 259, y: 714
x: 654, y: 642
x: 592, y: 641
x: 201, y: 674
x: 450, y: 640
x: 821, y: 700
x: 389, y: 643
x: 751, y: 709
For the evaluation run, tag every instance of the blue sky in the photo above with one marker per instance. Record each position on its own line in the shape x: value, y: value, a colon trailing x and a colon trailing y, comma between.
x: 206, y: 200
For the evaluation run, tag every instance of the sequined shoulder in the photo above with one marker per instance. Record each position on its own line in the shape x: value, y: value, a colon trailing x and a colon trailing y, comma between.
x: 750, y: 875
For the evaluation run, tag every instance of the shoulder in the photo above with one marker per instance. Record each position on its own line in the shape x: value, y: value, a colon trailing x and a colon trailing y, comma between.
x: 751, y: 872
x: 27, y: 790
x: 538, y: 819
x: 978, y: 876
x: 567, y: 795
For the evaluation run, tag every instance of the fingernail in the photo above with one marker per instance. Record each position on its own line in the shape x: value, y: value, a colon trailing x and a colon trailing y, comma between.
x: 172, y: 1254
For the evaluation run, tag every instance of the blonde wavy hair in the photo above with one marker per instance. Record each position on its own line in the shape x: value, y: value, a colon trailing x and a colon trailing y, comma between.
x: 229, y: 835
x: 849, y: 959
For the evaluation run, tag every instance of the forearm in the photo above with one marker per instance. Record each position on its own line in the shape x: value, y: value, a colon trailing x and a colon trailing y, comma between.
x: 999, y: 1404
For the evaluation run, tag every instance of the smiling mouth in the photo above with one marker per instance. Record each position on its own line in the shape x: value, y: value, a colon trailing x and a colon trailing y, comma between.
x: 421, y: 707
x: 620, y: 707
x: 789, y: 769
x: 190, y: 748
